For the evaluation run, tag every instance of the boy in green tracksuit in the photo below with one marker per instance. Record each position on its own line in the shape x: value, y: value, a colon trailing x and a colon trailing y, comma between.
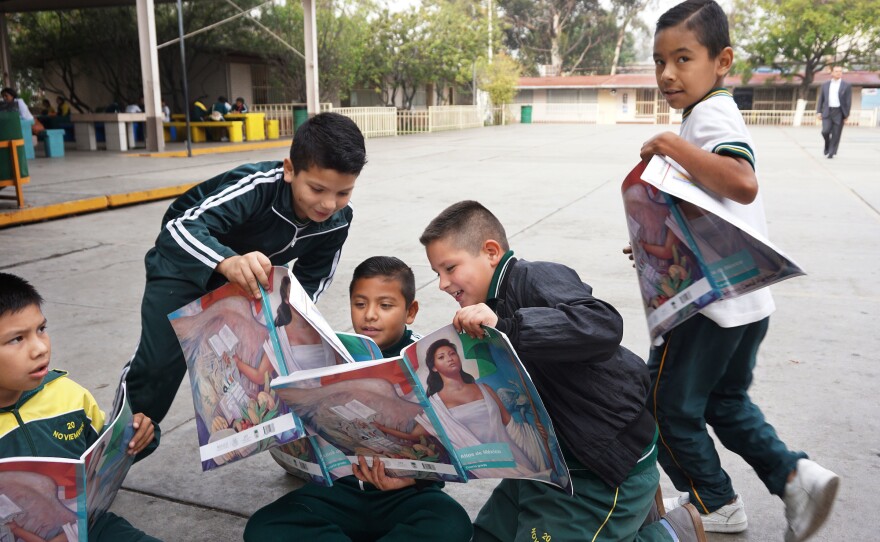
x: 369, y: 505
x: 593, y: 388
x: 234, y: 227
x: 45, y: 414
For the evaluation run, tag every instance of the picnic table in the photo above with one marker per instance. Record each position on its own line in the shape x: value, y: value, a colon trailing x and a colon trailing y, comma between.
x: 254, y: 123
x: 118, y: 130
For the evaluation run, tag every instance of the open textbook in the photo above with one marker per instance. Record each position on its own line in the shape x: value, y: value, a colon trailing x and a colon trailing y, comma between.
x: 233, y: 346
x: 450, y: 408
x: 55, y: 498
x: 690, y: 247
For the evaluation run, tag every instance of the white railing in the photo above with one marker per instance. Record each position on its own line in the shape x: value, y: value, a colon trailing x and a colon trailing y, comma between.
x: 754, y: 117
x: 373, y: 121
x: 413, y: 122
x: 454, y: 117
x: 585, y: 113
x: 283, y: 113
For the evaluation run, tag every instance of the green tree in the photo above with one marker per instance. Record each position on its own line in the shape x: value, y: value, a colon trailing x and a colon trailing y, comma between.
x: 569, y: 35
x: 499, y: 78
x: 802, y: 37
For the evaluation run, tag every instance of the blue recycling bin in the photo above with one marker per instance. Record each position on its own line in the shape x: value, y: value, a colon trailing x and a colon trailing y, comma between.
x: 27, y: 134
x: 53, y: 142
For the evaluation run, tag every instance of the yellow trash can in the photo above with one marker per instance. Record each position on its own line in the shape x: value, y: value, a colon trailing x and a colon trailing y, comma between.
x: 273, y: 130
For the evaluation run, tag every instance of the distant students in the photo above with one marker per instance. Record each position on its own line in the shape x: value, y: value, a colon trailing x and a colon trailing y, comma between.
x: 369, y: 506
x: 239, y: 106
x: 235, y: 227
x: 45, y: 414
x: 701, y: 373
x: 593, y: 388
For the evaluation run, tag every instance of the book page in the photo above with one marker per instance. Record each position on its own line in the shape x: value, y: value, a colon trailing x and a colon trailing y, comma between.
x: 107, y: 461
x: 44, y: 496
x: 485, y: 403
x: 225, y: 338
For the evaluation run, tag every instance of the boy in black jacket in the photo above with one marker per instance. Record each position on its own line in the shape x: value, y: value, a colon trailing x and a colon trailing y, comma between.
x: 233, y: 228
x: 593, y: 388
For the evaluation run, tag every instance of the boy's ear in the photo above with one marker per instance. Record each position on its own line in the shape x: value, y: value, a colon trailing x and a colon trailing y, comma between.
x: 493, y: 250
x: 724, y: 62
x: 411, y: 312
x: 288, y: 170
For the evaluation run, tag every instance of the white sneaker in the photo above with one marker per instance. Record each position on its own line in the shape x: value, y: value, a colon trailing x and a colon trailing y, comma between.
x: 808, y: 499
x: 671, y: 503
x: 730, y: 518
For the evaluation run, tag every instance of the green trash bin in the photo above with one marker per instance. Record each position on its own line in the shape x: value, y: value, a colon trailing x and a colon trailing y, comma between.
x: 10, y: 128
x: 300, y: 116
x: 525, y: 116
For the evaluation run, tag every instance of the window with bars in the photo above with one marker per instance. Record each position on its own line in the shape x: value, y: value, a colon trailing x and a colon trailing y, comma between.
x: 646, y: 102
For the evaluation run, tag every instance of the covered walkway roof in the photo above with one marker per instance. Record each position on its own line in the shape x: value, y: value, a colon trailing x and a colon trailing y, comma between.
x: 148, y: 51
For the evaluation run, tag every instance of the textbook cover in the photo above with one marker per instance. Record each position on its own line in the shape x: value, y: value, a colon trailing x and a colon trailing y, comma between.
x: 234, y: 346
x: 689, y: 247
x: 49, y: 497
x: 450, y: 408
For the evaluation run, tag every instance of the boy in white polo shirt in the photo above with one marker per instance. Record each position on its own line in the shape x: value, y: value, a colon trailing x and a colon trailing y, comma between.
x: 702, y: 371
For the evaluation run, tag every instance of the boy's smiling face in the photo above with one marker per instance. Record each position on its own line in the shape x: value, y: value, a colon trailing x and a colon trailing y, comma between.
x: 318, y: 192
x: 379, y: 310
x: 24, y: 352
x: 685, y: 73
x: 464, y: 276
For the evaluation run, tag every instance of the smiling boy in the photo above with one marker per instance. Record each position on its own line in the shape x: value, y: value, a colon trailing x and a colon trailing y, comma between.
x: 701, y: 373
x: 594, y: 389
x: 42, y: 412
x: 237, y: 225
x: 369, y: 505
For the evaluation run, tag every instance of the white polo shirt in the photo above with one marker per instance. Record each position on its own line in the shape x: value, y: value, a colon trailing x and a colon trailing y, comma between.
x: 716, y: 125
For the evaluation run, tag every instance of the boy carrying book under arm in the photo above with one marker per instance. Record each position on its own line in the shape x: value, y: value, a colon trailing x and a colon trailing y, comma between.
x: 45, y: 414
x: 702, y: 372
x: 369, y: 505
x: 593, y: 389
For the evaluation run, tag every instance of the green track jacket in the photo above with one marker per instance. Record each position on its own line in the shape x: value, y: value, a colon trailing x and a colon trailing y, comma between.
x: 249, y: 208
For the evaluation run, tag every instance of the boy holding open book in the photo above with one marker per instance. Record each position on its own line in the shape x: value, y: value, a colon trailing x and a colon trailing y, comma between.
x: 369, y: 505
x: 593, y: 388
x: 45, y: 414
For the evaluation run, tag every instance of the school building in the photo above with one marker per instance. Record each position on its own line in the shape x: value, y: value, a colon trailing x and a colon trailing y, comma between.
x: 766, y: 98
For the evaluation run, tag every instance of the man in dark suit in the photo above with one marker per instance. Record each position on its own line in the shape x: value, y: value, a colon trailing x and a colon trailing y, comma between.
x: 833, y: 105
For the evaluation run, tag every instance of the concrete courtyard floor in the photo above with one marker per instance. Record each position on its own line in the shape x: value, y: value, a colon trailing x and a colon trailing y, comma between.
x: 557, y: 190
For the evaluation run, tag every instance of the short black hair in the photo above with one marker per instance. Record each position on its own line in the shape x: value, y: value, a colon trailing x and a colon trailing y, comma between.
x: 467, y: 224
x: 10, y: 91
x: 328, y: 141
x: 704, y: 18
x: 387, y: 267
x: 17, y: 294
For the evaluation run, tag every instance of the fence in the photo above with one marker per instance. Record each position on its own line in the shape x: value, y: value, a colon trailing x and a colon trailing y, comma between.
x: 454, y: 117
x: 373, y: 121
x: 283, y: 113
x: 388, y: 121
x: 583, y: 113
x: 413, y: 122
x: 857, y: 117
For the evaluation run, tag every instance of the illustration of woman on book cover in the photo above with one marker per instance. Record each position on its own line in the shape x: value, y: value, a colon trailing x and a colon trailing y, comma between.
x: 473, y: 415
x: 301, y: 345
